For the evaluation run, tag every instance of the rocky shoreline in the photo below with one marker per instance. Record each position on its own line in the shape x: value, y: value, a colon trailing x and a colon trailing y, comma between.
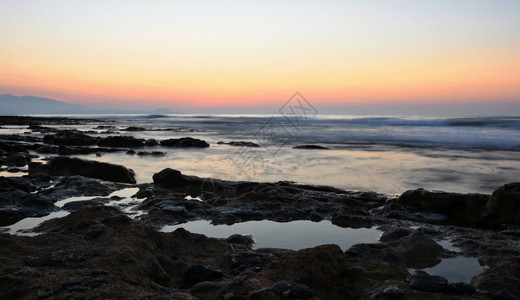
x: 99, y: 251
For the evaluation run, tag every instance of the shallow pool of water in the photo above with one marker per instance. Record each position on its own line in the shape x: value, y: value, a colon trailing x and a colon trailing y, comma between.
x: 124, y: 202
x: 24, y: 226
x: 290, y: 235
x: 457, y: 269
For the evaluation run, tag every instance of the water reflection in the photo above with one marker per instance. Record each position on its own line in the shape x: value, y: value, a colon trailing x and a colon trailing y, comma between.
x: 457, y: 269
x: 291, y: 235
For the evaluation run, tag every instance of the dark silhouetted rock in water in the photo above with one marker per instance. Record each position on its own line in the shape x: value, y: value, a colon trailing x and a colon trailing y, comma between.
x: 151, y: 153
x: 311, y: 147
x: 460, y: 209
x: 16, y: 160
x: 184, y: 142
x: 239, y: 144
x: 70, y: 138
x: 133, y: 128
x: 504, y: 204
x: 121, y: 141
x: 495, y: 211
x: 66, y: 166
x: 175, y: 180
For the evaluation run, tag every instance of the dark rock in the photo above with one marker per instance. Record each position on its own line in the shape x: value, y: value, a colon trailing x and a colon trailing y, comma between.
x: 430, y: 217
x: 197, y: 273
x: 15, y: 170
x: 130, y: 280
x: 419, y: 250
x: 125, y: 257
x: 504, y: 279
x: 504, y: 204
x: 46, y: 149
x: 98, y: 272
x: 460, y: 209
x: 151, y: 153
x: 502, y: 296
x: 90, y: 221
x: 95, y: 230
x: 254, y: 260
x: 239, y: 144
x: 66, y: 166
x: 133, y: 128
x: 145, y: 192
x: 4, y: 185
x: 151, y: 143
x: 379, y: 251
x: 289, y: 289
x: 9, y: 216
x: 245, y: 240
x: 120, y: 141
x: 353, y: 213
x: 167, y: 206
x: 73, y: 186
x: 391, y: 293
x: 421, y: 281
x: 130, y: 152
x: 207, y: 289
x: 39, y: 128
x: 351, y: 221
x: 173, y: 179
x: 37, y: 169
x: 16, y: 205
x: 512, y: 232
x: 311, y: 147
x: 184, y: 142
x: 428, y: 230
x: 395, y: 233
x: 16, y: 160
x: 21, y: 184
x: 462, y: 288
x: 76, y: 205
x: 70, y: 138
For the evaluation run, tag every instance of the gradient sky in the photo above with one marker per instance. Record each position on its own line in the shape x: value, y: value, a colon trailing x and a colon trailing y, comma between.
x: 227, y: 54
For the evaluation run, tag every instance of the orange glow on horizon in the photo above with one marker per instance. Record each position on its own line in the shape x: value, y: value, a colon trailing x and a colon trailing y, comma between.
x: 429, y: 77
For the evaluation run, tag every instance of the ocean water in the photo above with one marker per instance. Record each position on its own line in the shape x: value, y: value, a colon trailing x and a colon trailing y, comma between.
x: 370, y: 153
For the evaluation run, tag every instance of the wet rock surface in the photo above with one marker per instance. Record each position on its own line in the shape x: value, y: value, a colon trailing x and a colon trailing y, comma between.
x: 311, y: 147
x: 99, y: 252
x: 184, y: 142
x: 68, y: 166
x: 70, y: 138
x: 121, y: 141
x: 240, y: 144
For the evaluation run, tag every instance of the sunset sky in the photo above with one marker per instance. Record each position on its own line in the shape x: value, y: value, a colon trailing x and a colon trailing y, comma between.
x: 196, y: 55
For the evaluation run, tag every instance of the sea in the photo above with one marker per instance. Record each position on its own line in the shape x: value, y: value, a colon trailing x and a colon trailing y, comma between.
x: 385, y: 154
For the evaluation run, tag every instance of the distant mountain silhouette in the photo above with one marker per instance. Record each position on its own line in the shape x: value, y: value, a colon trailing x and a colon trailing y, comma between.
x: 31, y: 105
x: 14, y: 105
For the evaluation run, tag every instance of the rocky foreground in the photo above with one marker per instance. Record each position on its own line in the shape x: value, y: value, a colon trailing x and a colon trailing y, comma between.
x: 97, y: 251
